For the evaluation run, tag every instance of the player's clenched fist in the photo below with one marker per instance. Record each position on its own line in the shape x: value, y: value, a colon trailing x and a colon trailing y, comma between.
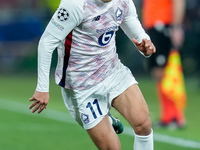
x: 146, y: 46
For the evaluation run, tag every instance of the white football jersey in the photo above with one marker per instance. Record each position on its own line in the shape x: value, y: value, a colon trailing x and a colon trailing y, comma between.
x: 86, y: 30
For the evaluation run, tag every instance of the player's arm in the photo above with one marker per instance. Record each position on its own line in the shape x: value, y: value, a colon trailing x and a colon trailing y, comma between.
x: 64, y: 20
x: 47, y: 45
x: 134, y: 30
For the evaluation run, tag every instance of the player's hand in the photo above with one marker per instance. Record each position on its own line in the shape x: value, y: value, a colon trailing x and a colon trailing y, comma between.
x: 40, y: 101
x: 146, y: 46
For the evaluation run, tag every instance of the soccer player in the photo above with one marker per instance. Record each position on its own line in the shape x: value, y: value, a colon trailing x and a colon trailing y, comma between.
x: 89, y: 71
x: 162, y: 20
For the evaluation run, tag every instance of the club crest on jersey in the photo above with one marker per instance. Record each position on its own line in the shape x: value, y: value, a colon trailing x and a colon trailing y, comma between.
x: 63, y: 15
x: 85, y: 118
x: 118, y: 14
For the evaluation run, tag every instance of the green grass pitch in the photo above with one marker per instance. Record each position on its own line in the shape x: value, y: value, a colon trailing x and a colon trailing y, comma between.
x: 22, y: 130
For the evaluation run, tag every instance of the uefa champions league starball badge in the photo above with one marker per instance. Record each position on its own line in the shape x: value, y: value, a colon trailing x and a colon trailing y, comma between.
x: 63, y: 15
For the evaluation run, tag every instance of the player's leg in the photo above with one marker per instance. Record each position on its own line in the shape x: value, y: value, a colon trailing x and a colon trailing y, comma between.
x: 132, y: 106
x: 99, y: 127
x: 104, y: 136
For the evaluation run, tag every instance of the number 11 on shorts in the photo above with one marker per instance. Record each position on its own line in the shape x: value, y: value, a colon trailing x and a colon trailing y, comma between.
x: 89, y: 105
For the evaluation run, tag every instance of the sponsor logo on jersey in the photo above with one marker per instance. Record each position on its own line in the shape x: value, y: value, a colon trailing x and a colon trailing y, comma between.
x: 63, y: 15
x: 57, y: 25
x: 118, y: 14
x: 85, y: 118
x: 97, y: 18
x: 113, y: 28
x: 107, y: 35
x: 105, y: 38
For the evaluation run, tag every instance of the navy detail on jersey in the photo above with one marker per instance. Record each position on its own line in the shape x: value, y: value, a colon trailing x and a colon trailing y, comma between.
x: 97, y: 18
x: 105, y: 38
x: 118, y: 14
x: 68, y: 43
x: 85, y: 118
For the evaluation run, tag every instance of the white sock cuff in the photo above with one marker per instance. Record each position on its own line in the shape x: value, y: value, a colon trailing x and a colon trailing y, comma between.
x: 144, y: 137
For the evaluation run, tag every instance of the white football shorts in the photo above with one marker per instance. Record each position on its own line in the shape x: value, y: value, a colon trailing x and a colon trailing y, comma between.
x: 88, y: 107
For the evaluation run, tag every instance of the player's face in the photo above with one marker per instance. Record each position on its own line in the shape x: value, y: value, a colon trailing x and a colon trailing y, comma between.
x: 106, y: 0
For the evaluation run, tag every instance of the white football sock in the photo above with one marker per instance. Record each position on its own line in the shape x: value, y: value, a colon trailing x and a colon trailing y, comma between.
x: 143, y: 142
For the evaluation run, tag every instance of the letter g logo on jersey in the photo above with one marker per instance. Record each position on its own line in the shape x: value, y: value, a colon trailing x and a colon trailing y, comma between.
x: 105, y: 38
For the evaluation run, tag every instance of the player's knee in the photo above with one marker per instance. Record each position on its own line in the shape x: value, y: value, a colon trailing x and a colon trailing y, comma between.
x: 143, y: 127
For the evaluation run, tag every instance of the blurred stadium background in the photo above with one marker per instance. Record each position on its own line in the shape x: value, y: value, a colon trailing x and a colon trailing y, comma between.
x: 21, y: 24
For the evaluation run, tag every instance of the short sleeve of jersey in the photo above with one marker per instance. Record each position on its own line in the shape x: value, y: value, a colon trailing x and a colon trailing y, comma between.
x: 66, y: 18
